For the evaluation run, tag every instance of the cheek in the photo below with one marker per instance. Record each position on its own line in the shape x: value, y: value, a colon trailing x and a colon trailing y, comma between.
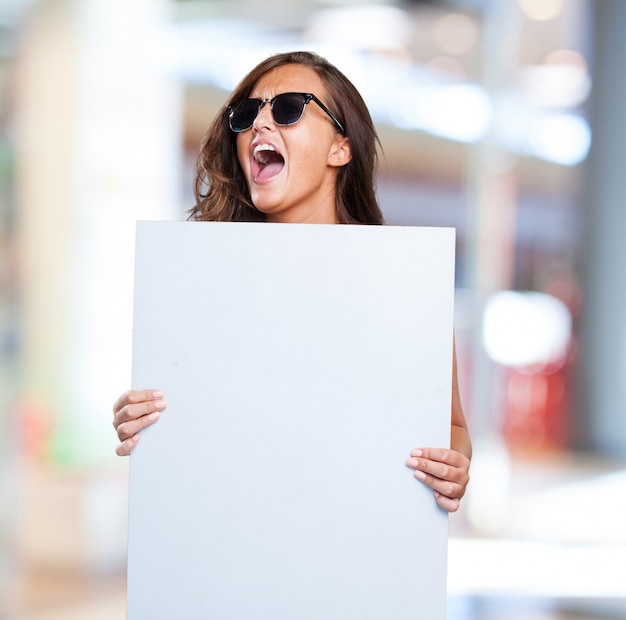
x: 308, y: 139
x: 314, y: 156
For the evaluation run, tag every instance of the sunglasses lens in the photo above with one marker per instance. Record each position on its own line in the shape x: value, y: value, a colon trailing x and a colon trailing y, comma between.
x: 288, y: 108
x: 242, y: 114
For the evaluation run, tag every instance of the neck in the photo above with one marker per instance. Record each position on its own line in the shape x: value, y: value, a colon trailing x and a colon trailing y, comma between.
x: 318, y: 216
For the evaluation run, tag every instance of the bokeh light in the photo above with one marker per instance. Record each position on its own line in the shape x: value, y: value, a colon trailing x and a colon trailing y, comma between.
x: 541, y: 10
x: 526, y: 328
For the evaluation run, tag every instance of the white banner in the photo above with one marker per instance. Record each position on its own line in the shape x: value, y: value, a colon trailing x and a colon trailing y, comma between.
x: 301, y: 364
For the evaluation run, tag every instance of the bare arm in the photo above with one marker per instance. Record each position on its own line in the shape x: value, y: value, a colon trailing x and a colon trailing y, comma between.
x: 445, y: 470
x: 459, y: 434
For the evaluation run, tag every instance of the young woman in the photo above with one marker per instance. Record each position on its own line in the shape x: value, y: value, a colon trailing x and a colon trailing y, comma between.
x: 296, y: 144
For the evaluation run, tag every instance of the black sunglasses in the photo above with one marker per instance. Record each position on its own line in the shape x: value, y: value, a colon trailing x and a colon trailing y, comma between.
x: 287, y: 109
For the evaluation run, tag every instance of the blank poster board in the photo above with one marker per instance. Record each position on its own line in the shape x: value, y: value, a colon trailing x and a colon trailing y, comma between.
x: 301, y: 364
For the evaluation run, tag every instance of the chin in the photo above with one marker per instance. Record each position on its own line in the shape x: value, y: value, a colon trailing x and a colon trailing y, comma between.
x: 266, y: 207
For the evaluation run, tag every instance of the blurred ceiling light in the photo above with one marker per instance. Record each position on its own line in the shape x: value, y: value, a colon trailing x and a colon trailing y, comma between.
x: 562, y: 138
x: 457, y: 112
x: 561, y: 81
x: 455, y: 33
x: 541, y: 10
x: 526, y: 329
x: 556, y: 85
x: 368, y: 27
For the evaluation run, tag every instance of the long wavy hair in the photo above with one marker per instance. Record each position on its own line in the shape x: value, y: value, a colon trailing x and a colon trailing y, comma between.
x: 221, y: 190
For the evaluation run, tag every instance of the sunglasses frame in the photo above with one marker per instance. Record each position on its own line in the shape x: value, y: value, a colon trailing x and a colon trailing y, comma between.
x: 307, y: 97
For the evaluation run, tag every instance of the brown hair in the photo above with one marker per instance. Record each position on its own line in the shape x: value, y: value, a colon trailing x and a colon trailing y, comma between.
x: 220, y: 188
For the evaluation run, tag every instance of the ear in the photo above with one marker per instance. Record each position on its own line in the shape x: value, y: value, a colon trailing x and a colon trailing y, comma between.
x: 340, y: 152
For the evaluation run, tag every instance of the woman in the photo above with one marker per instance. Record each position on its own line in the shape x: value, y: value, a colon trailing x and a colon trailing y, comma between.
x: 296, y: 144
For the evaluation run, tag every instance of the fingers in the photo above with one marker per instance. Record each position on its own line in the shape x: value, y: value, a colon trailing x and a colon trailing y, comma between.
x: 445, y: 471
x: 447, y: 503
x: 442, y: 455
x: 132, y: 412
x: 442, y: 464
x: 135, y: 396
x: 126, y: 447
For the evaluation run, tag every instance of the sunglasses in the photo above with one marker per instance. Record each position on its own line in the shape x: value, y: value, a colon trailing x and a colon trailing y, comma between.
x: 287, y: 109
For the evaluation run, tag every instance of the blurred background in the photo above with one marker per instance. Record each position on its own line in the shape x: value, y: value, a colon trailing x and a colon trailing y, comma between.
x: 502, y: 118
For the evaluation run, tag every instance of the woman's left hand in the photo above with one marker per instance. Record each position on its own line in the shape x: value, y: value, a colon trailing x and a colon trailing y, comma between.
x: 445, y: 471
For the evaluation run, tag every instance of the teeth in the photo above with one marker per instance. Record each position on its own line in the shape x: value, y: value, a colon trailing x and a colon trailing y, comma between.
x: 258, y: 149
x: 263, y: 147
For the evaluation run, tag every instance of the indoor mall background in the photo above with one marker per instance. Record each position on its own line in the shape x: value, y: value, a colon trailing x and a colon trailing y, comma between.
x: 502, y: 118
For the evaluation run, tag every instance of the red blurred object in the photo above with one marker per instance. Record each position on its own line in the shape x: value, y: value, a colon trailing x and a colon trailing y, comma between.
x: 537, y: 406
x: 35, y: 429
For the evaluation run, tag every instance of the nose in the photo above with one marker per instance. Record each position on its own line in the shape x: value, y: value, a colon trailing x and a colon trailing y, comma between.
x: 264, y: 118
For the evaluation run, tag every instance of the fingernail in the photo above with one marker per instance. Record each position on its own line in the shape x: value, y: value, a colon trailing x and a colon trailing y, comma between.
x: 160, y: 404
x: 412, y: 462
x: 136, y: 437
x: 157, y: 394
x: 420, y: 474
x: 154, y: 415
x: 416, y: 452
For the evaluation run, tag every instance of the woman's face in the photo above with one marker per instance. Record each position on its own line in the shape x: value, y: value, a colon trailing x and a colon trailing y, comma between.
x: 291, y: 171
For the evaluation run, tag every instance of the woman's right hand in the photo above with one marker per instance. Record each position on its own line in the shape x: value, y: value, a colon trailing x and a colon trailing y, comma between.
x: 133, y: 411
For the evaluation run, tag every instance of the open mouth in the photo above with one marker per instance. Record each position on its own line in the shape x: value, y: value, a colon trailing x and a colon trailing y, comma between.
x: 267, y: 162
